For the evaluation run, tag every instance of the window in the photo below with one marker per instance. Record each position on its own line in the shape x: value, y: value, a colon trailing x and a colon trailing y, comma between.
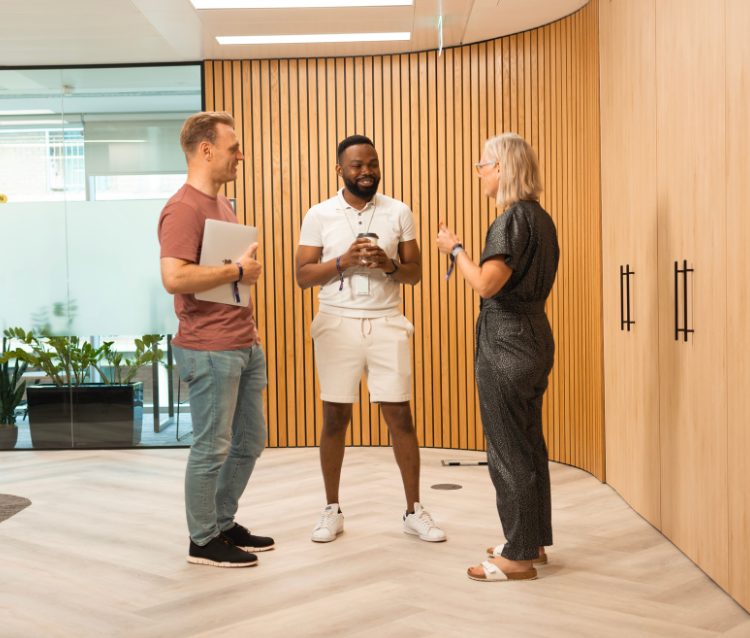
x: 88, y: 158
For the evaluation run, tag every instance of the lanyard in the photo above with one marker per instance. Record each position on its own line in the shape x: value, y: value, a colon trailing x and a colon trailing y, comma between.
x: 338, y: 259
x: 372, y: 216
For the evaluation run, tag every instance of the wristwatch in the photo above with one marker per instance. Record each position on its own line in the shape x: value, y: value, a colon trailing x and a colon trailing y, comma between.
x: 395, y: 266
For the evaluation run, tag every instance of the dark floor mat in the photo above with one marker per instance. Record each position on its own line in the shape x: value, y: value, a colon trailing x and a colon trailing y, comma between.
x: 10, y: 505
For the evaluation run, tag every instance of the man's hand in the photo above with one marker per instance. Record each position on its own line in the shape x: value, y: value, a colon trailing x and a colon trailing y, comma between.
x: 355, y: 256
x: 377, y: 258
x: 251, y: 268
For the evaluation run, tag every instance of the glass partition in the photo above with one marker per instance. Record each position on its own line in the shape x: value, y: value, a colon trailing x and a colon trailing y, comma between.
x: 88, y: 158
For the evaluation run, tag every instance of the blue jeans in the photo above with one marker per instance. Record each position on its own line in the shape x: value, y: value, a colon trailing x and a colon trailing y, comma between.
x: 229, y: 433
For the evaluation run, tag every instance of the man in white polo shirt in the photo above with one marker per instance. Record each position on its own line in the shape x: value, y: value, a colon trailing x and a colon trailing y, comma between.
x: 359, y: 327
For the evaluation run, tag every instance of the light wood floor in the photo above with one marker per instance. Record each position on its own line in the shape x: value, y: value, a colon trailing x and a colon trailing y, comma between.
x: 101, y: 552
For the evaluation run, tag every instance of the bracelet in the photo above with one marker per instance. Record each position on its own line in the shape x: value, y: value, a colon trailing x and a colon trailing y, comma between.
x: 341, y: 272
x: 236, y: 289
x: 396, y: 268
x: 458, y: 248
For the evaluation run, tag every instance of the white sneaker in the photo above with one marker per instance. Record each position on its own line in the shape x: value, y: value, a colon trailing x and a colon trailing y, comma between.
x: 331, y: 524
x: 421, y: 524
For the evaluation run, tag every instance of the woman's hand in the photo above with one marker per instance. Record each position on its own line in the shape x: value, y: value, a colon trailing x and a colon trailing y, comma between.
x: 446, y: 239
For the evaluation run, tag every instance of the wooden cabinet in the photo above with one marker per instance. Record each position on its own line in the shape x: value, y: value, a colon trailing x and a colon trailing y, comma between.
x: 738, y: 296
x: 675, y: 84
x: 629, y: 229
x: 691, y: 205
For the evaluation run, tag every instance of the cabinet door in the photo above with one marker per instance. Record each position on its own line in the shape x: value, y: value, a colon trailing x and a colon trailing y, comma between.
x: 738, y: 296
x: 631, y: 363
x: 690, y: 46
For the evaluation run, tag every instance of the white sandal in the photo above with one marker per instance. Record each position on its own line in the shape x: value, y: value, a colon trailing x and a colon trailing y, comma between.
x: 493, y: 573
x: 494, y: 552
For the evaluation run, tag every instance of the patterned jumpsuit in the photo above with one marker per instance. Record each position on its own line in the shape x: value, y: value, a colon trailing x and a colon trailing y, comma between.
x: 514, y: 355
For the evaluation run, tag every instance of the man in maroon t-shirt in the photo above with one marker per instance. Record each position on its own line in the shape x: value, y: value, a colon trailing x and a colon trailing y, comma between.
x: 216, y: 349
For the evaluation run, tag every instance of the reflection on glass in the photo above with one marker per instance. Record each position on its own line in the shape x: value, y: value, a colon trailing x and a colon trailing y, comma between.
x: 88, y: 158
x: 39, y: 163
x: 113, y: 269
x: 112, y: 187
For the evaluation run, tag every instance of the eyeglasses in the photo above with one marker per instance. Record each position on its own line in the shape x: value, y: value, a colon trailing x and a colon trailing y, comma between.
x: 479, y: 165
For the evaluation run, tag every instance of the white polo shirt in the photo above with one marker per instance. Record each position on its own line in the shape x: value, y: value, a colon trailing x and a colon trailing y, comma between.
x: 333, y: 225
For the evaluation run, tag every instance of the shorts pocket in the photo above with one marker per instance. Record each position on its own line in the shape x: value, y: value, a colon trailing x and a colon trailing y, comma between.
x: 323, y: 322
x: 409, y: 326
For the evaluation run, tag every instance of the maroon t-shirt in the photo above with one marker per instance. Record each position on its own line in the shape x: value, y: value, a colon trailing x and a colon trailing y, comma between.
x: 204, y: 325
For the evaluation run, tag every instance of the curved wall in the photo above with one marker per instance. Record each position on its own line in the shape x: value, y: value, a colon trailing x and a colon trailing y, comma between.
x: 428, y: 116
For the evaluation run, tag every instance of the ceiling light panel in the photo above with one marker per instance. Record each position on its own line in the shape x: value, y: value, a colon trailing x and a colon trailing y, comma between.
x: 315, y: 38
x: 297, y: 4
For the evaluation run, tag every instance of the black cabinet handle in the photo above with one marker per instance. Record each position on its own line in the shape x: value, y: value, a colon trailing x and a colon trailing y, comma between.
x: 622, y: 300
x: 684, y: 272
x: 625, y: 297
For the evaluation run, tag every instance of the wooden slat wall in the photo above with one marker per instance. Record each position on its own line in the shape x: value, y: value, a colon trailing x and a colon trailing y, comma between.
x: 428, y: 116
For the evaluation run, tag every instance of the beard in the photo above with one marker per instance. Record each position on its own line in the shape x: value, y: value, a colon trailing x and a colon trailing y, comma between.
x: 362, y: 192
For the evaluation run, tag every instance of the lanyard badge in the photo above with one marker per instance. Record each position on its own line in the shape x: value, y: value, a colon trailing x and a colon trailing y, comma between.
x: 361, y: 282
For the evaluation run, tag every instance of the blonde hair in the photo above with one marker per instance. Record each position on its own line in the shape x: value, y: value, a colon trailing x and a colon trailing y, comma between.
x: 519, y: 169
x: 201, y: 127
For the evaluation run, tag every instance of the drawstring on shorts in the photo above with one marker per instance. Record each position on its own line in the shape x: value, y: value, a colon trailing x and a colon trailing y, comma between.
x: 362, y: 327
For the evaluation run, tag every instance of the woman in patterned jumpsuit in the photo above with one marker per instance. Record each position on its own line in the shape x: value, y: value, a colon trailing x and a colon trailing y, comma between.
x: 514, y: 351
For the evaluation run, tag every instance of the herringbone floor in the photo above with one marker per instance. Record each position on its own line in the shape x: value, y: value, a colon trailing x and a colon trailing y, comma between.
x: 101, y: 552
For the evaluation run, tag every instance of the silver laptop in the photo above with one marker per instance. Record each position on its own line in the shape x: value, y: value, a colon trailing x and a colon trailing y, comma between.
x: 224, y: 243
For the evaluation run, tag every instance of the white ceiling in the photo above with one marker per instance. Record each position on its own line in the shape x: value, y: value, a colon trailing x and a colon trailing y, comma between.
x: 67, y: 32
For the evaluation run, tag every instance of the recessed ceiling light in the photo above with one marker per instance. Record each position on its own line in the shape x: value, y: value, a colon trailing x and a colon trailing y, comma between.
x: 314, y: 38
x: 296, y: 4
x: 30, y: 112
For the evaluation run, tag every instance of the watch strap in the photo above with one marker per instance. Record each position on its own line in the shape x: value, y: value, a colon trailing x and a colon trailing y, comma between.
x: 395, y: 268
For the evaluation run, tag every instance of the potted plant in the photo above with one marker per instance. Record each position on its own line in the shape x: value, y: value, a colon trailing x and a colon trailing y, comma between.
x: 12, y: 389
x: 74, y: 411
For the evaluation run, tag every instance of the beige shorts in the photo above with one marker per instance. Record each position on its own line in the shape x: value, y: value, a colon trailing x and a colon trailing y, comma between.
x: 347, y: 347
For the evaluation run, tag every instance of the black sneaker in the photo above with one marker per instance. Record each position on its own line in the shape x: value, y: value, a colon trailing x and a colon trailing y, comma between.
x: 242, y: 537
x: 220, y: 551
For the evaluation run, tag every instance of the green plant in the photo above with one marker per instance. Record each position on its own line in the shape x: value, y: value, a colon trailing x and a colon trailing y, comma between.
x: 11, y: 391
x: 68, y: 360
x: 146, y: 351
x: 42, y: 354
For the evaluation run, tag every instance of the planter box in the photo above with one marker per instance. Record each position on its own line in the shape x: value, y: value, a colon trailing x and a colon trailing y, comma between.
x: 101, y: 415
x: 8, y: 437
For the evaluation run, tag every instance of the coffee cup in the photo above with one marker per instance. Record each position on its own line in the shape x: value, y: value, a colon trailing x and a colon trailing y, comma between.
x: 372, y: 237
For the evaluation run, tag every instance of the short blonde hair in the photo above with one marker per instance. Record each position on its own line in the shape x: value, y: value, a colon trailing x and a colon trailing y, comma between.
x: 519, y: 169
x: 201, y: 127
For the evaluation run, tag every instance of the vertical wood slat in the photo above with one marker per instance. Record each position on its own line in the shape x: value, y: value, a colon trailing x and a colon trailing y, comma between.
x: 465, y: 386
x: 467, y: 179
x: 428, y: 117
x: 476, y: 439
